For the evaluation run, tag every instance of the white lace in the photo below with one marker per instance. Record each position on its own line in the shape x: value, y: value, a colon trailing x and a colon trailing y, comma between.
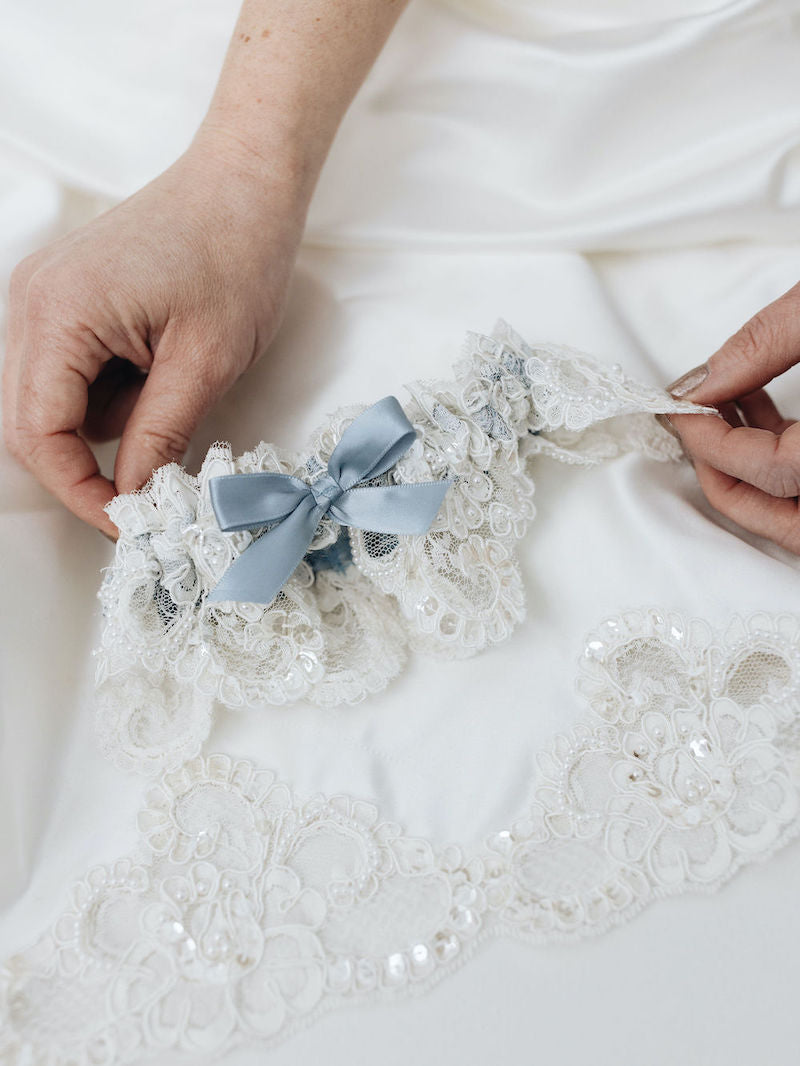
x: 338, y: 632
x: 247, y: 910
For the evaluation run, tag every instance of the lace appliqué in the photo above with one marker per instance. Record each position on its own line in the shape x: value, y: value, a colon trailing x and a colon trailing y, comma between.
x: 247, y: 910
x: 340, y: 628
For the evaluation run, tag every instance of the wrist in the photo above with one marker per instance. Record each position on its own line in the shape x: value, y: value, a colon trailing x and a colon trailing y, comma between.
x: 269, y: 149
x: 268, y: 174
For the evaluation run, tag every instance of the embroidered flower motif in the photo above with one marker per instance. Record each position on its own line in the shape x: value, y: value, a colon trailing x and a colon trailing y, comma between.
x: 221, y: 955
x: 246, y: 910
x: 634, y: 664
x: 698, y: 788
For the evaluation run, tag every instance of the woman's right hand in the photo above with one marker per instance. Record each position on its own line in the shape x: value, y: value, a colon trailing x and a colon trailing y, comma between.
x: 748, y: 462
x: 137, y: 323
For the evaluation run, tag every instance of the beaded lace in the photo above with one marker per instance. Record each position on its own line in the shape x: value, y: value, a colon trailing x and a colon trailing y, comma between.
x: 341, y: 627
x: 246, y: 910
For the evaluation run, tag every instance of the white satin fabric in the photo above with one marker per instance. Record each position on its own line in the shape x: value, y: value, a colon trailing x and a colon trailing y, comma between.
x: 623, y: 180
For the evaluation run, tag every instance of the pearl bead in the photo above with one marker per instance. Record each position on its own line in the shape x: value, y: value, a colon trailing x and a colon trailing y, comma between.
x: 366, y: 973
x: 464, y: 920
x: 396, y: 966
x: 339, y: 973
x: 465, y: 894
x: 446, y: 946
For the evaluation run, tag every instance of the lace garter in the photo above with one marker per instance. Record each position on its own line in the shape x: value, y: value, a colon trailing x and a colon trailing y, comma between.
x: 341, y: 626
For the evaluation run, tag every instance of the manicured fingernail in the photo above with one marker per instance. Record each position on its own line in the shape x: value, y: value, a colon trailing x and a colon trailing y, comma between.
x: 664, y: 421
x: 688, y: 381
x: 668, y: 426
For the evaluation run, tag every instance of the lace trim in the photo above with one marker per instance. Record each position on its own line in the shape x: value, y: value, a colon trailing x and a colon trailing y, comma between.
x: 246, y: 910
x: 338, y: 632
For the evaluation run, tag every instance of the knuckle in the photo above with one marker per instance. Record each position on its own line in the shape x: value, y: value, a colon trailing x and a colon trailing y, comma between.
x: 167, y: 441
x: 223, y: 362
x: 213, y: 371
x: 784, y: 473
x: 755, y: 337
x: 12, y: 443
x: 18, y: 283
x: 211, y: 375
x: 785, y: 483
x: 21, y: 276
x: 31, y: 444
x: 21, y: 437
x: 791, y: 539
x: 38, y: 294
x: 26, y: 447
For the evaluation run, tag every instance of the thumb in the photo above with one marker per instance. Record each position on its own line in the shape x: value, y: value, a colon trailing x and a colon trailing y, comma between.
x: 765, y: 346
x: 178, y: 392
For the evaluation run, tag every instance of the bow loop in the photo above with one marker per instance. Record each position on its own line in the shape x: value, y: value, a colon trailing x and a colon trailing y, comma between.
x: 272, y: 496
x: 370, y: 446
x: 372, y: 443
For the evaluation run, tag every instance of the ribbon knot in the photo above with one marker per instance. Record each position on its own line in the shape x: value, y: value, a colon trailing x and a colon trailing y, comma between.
x: 292, y: 508
x: 326, y: 489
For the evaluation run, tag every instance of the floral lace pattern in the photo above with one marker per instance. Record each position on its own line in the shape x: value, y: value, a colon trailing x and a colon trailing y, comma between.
x: 247, y: 910
x: 341, y: 626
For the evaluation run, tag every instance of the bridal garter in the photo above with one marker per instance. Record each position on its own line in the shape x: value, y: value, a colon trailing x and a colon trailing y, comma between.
x: 341, y: 626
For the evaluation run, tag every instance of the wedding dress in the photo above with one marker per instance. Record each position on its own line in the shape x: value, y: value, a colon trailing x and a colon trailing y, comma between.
x: 578, y: 695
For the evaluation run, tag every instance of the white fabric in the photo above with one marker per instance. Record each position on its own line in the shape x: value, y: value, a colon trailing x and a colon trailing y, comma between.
x: 650, y: 138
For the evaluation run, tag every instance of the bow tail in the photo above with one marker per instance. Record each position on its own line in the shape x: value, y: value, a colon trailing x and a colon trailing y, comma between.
x: 264, y: 567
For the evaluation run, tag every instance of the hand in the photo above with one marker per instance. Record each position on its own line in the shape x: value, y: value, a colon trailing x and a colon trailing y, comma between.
x: 748, y: 461
x: 139, y: 321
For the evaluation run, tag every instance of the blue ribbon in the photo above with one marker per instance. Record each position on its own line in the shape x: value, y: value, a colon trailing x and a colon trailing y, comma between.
x: 370, y: 445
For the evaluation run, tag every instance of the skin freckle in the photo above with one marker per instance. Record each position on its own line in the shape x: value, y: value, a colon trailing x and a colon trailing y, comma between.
x: 265, y: 33
x: 246, y: 40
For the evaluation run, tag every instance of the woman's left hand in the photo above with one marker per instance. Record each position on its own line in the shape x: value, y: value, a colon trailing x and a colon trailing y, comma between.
x: 748, y: 461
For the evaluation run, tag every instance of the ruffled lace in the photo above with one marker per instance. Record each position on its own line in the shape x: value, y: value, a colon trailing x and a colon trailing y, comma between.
x: 341, y: 626
x: 246, y: 910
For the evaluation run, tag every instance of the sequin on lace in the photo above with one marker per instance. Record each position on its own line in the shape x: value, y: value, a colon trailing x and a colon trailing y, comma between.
x: 247, y: 910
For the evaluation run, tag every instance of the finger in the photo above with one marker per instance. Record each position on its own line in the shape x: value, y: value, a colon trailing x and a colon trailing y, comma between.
x: 760, y: 411
x: 752, y: 509
x: 179, y: 390
x: 112, y: 397
x: 764, y: 347
x: 50, y: 405
x: 14, y: 332
x: 731, y: 414
x: 758, y: 456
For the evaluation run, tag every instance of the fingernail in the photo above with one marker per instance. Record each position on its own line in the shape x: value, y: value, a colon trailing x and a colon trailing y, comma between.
x: 688, y: 381
x: 668, y: 426
x: 664, y: 421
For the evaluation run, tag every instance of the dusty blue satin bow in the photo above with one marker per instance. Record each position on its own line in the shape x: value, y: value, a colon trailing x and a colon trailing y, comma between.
x: 371, y: 444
